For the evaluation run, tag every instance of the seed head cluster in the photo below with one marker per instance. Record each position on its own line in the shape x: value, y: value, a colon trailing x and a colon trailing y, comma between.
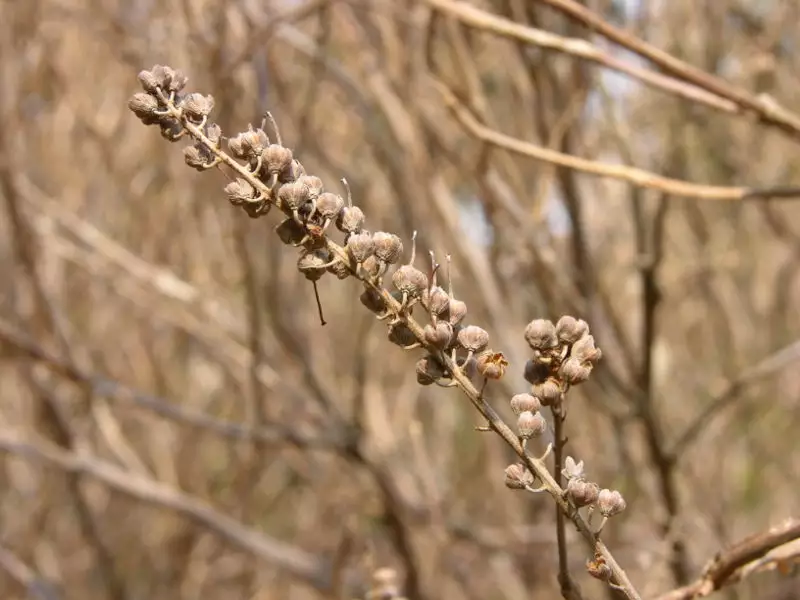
x: 264, y: 173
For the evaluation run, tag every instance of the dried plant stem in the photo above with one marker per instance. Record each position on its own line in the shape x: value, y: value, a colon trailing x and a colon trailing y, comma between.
x: 537, y: 466
x: 568, y: 588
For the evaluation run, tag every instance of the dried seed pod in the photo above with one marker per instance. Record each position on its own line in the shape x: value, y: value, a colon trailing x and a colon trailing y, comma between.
x: 239, y: 191
x: 293, y: 173
x: 401, y: 335
x: 314, y: 185
x: 171, y: 129
x: 610, y: 502
x: 472, y: 338
x: 293, y: 196
x: 198, y: 157
x: 350, y: 219
x: 569, y: 329
x: 439, y: 335
x: 162, y: 76
x: 290, y: 232
x: 197, y: 107
x: 253, y: 142
x: 548, y: 391
x: 177, y: 81
x: 438, y: 301
x: 314, y: 264
x: 388, y: 247
x: 213, y: 133
x: 574, y: 372
x: 572, y: 469
x: 457, y: 311
x: 531, y: 425
x: 541, y: 335
x: 429, y: 370
x: 598, y: 568
x: 409, y: 280
x: 150, y: 81
x: 518, y: 477
x: 521, y: 403
x: 339, y: 269
x: 360, y: 247
x: 372, y: 266
x: 582, y: 493
x: 373, y: 301
x: 535, y: 372
x: 491, y: 365
x: 144, y: 106
x: 275, y: 160
x: 329, y: 205
x: 584, y: 350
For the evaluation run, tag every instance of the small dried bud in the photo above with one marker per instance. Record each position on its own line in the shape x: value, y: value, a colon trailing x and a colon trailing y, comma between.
x: 472, y: 338
x: 144, y: 106
x: 171, y: 129
x: 518, y: 477
x: 253, y: 142
x: 584, y: 350
x: 161, y: 76
x: 429, y: 370
x: 313, y: 264
x: 521, y: 403
x: 410, y: 280
x: 598, y: 568
x: 547, y: 391
x: 239, y: 191
x: 491, y: 365
x: 573, y: 372
x: 388, y: 247
x: 276, y: 159
x: 290, y: 232
x: 150, y: 82
x: 197, y: 156
x: 569, y: 329
x: 610, y: 502
x: 373, y: 301
x: 572, y: 469
x: 177, y: 81
x: 339, y: 269
x: 213, y: 133
x: 457, y: 311
x: 313, y: 184
x: 530, y: 424
x: 360, y: 247
x: 350, y: 219
x: 293, y: 195
x: 196, y: 106
x: 401, y: 335
x: 582, y: 493
x: 439, y: 335
x: 535, y: 372
x: 439, y: 302
x: 541, y: 335
x: 329, y: 205
x: 372, y: 266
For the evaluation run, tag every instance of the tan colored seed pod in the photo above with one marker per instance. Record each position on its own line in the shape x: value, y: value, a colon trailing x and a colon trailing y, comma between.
x: 409, y: 280
x: 582, y: 493
x: 531, y: 425
x: 521, y: 403
x: 472, y: 338
x: 350, y: 219
x: 401, y: 335
x: 569, y: 329
x: 329, y: 205
x: 574, y: 372
x: 491, y: 365
x: 213, y: 133
x: 438, y: 301
x: 372, y: 266
x: 293, y: 173
x: 541, y: 335
x: 254, y: 141
x: 196, y: 106
x: 457, y: 311
x: 276, y: 159
x: 439, y: 335
x: 290, y: 232
x: 198, y: 157
x: 293, y: 195
x: 429, y: 370
x: 339, y: 269
x: 239, y: 191
x: 164, y: 77
x: 150, y: 82
x: 144, y: 106
x: 313, y: 184
x: 388, y: 247
x: 584, y: 350
x: 548, y: 391
x: 314, y: 264
x: 518, y: 477
x: 610, y: 502
x: 360, y: 247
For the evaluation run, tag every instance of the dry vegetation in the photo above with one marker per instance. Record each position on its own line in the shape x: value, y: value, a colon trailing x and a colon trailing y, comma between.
x: 176, y: 423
